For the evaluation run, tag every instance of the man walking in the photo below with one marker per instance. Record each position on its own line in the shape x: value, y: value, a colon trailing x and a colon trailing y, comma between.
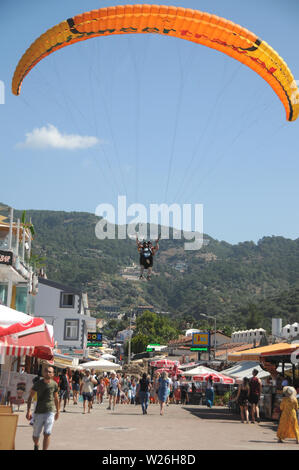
x: 255, y: 386
x: 47, y: 400
x: 86, y: 390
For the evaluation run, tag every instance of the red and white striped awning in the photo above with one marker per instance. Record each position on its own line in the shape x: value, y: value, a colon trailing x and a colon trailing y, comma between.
x: 16, y: 351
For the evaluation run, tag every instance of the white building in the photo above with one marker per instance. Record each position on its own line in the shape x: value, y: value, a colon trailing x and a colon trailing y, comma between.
x: 248, y: 336
x: 290, y: 331
x: 18, y: 283
x: 67, y: 310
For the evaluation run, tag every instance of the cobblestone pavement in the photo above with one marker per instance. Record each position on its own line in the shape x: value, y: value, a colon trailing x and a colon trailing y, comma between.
x: 192, y: 427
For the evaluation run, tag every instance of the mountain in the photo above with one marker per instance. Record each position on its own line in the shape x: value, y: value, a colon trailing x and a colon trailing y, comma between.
x: 221, y: 279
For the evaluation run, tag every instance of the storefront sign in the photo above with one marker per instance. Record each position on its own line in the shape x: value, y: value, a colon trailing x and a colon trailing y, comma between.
x: 6, y: 257
x: 201, y: 340
x: 94, y: 339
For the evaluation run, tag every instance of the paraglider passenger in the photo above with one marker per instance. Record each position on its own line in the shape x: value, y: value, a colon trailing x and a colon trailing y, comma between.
x: 147, y: 251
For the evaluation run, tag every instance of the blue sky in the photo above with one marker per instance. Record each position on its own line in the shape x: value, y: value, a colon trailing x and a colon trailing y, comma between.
x: 175, y: 122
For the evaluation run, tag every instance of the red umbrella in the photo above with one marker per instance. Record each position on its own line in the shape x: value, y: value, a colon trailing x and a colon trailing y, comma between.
x: 201, y: 374
x: 216, y: 377
x: 21, y: 329
x: 27, y: 339
x: 164, y: 363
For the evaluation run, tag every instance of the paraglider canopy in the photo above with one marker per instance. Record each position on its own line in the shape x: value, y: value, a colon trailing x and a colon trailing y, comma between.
x: 192, y: 25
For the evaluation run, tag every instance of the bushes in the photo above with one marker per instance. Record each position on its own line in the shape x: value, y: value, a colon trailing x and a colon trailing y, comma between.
x: 222, y: 400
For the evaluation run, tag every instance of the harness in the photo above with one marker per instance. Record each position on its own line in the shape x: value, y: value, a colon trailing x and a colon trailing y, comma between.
x: 146, y: 257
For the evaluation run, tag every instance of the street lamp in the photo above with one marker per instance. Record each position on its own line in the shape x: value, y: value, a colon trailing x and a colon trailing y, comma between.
x: 215, y: 342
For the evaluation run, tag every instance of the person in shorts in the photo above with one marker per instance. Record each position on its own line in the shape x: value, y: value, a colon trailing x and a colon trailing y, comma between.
x: 47, y: 402
x: 86, y: 390
x: 114, y: 388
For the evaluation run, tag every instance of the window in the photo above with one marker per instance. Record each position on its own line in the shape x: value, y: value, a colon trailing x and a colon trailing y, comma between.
x: 71, y: 330
x: 3, y: 294
x: 67, y: 300
x: 21, y: 298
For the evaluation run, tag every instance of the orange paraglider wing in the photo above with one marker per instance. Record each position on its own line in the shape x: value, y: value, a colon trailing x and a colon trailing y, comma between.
x: 192, y: 25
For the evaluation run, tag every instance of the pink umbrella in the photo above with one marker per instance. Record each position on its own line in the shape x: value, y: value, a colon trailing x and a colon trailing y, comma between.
x: 164, y: 363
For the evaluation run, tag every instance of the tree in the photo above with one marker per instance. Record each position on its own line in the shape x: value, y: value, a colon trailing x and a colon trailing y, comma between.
x: 254, y: 319
x: 154, y: 328
x: 138, y: 343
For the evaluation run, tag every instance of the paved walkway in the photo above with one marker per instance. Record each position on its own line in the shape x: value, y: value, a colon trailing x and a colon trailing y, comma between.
x: 181, y: 428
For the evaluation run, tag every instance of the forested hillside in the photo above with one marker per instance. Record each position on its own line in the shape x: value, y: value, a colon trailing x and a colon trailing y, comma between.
x: 240, y: 283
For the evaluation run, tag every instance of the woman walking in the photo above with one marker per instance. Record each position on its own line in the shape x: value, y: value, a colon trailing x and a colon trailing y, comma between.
x: 163, y: 391
x: 114, y: 389
x: 242, y: 399
x: 133, y: 392
x: 70, y: 381
x: 288, y: 424
x: 76, y: 380
x: 100, y: 390
x: 144, y: 387
x: 156, y: 386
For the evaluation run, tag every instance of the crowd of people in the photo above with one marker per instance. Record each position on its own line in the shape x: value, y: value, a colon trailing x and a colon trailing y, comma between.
x: 119, y: 389
x: 51, y: 393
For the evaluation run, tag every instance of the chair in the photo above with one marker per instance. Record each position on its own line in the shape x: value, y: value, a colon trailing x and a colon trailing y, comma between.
x: 8, y: 429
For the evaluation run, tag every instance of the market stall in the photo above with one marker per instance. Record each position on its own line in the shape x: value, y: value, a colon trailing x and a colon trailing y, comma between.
x: 198, y: 377
x: 272, y: 359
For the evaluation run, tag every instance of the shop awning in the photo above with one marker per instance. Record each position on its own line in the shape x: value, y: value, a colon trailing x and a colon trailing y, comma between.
x: 101, y: 364
x: 63, y: 362
x: 16, y: 351
x: 256, y: 353
x: 244, y: 369
x: 23, y: 335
